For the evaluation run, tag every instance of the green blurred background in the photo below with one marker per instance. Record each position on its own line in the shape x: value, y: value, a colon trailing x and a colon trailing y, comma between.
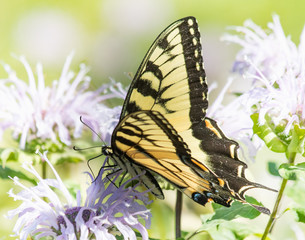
x: 112, y: 36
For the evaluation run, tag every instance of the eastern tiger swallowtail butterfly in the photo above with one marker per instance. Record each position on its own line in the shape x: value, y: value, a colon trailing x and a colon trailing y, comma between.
x: 163, y: 128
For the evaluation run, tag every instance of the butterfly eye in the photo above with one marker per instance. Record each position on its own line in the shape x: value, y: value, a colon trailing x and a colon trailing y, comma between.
x: 105, y: 151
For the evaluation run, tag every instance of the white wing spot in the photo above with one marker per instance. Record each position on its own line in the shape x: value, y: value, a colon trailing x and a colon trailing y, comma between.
x: 232, y: 151
x: 192, y: 31
x: 195, y: 41
x: 201, y: 80
x: 198, y: 66
x: 240, y: 170
x: 190, y: 22
x: 196, y: 53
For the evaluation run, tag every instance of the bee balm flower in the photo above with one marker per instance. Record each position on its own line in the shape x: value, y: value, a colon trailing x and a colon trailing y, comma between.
x: 36, y: 111
x: 276, y: 67
x: 49, y: 209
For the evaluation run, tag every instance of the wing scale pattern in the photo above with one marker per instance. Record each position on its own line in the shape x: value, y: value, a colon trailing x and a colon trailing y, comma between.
x: 147, y: 139
x: 171, y: 78
x: 163, y: 128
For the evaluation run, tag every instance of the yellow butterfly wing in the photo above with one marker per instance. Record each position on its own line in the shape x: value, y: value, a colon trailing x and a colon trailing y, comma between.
x: 187, y: 149
x: 171, y: 78
x: 146, y: 139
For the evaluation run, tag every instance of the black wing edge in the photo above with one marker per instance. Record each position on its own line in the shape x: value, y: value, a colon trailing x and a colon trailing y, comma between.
x: 193, y: 62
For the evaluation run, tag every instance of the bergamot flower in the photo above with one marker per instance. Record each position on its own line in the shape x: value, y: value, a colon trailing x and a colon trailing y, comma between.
x: 35, y: 111
x: 50, y: 210
x: 276, y: 67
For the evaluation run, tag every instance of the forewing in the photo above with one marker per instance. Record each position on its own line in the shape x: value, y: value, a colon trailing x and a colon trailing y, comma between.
x: 171, y: 78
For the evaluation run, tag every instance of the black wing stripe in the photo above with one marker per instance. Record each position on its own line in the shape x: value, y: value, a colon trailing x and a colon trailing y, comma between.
x: 164, y: 109
x: 170, y: 169
x: 195, y: 72
x: 174, y: 57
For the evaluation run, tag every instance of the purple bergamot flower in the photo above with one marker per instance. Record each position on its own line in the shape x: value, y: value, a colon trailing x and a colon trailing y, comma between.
x: 50, y: 210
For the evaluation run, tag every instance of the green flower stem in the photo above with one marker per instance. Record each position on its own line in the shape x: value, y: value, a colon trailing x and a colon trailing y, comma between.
x: 275, y: 209
x: 277, y: 202
x: 44, y: 174
x: 178, y: 210
x: 44, y: 169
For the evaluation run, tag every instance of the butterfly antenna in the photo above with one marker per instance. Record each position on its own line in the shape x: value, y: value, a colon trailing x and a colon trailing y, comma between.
x: 91, y: 128
x: 82, y: 149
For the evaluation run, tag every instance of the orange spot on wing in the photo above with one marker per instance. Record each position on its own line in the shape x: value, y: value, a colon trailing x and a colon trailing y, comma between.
x: 210, y: 126
x: 221, y: 182
x: 200, y: 165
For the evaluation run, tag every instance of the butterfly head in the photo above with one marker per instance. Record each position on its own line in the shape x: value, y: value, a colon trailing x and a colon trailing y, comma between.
x: 107, y: 151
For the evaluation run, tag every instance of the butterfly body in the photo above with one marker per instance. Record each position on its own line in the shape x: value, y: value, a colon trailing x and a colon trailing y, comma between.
x: 163, y: 128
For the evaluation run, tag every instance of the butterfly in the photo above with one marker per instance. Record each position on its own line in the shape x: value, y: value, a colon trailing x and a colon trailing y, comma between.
x: 163, y: 128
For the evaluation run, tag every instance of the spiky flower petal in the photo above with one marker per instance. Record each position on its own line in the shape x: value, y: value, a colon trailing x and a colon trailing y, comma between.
x: 49, y: 209
x: 276, y: 67
x: 36, y: 111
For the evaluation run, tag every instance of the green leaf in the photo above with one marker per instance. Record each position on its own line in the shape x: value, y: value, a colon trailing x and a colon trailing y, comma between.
x: 220, y: 229
x: 300, y: 212
x: 7, y: 172
x: 296, y: 144
x: 273, y: 169
x: 8, y: 154
x: 267, y: 133
x: 237, y: 209
x: 44, y: 144
x: 293, y: 172
x: 17, y: 155
x: 221, y: 225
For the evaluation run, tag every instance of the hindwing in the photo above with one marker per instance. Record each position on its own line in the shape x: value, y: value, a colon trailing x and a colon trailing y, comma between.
x: 146, y: 139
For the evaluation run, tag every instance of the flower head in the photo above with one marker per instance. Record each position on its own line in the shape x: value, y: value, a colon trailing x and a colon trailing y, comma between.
x: 36, y: 111
x: 276, y: 67
x: 106, y: 210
